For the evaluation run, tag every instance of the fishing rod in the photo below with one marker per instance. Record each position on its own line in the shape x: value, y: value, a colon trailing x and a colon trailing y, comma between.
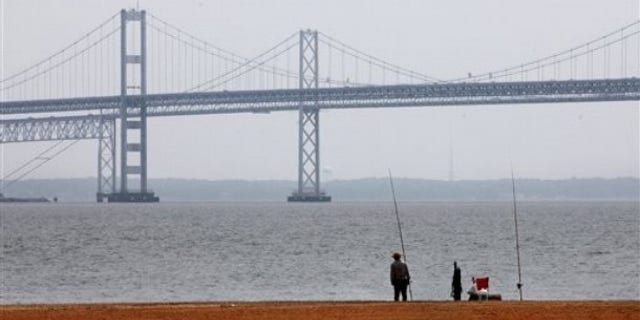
x: 515, y: 220
x: 395, y: 205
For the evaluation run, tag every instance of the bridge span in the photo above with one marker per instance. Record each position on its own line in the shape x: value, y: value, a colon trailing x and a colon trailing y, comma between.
x: 120, y: 115
x: 447, y: 94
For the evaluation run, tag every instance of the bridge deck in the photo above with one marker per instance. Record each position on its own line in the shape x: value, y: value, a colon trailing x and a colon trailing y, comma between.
x: 347, y: 97
x: 87, y: 126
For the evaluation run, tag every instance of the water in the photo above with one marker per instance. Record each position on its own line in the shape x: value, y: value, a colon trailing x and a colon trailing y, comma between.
x: 281, y: 251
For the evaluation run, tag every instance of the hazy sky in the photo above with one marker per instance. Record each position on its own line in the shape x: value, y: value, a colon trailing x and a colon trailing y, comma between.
x: 445, y: 39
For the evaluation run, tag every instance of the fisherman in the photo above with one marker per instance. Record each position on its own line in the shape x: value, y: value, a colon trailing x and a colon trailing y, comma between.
x: 473, y: 290
x: 456, y: 284
x: 399, y: 277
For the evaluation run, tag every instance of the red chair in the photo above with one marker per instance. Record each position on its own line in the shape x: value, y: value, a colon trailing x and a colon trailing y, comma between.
x: 482, y: 283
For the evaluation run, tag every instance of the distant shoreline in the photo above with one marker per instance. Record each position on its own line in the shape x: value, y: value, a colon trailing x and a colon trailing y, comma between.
x: 367, y: 189
x: 346, y: 202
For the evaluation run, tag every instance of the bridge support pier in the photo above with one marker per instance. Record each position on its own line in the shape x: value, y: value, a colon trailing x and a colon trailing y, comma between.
x: 133, y: 114
x: 309, y: 126
x: 106, y: 158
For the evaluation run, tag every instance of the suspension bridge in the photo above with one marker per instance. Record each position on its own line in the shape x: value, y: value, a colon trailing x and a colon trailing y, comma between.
x: 134, y: 65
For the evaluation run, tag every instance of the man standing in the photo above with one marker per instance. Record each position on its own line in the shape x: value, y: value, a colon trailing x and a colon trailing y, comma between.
x: 456, y: 284
x: 399, y: 277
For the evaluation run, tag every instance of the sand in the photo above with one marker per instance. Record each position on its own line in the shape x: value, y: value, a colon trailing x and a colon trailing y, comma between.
x: 370, y: 310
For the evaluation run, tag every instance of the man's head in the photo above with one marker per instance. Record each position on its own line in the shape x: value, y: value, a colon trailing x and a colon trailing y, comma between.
x: 396, y: 256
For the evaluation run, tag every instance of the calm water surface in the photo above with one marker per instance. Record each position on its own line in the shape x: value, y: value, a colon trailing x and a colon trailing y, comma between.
x: 281, y: 251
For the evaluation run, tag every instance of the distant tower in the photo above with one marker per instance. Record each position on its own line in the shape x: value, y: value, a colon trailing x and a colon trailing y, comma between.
x: 133, y: 111
x: 451, y: 176
x: 309, y: 126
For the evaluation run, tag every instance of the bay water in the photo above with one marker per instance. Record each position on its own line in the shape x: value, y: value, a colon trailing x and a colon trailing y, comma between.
x: 55, y: 252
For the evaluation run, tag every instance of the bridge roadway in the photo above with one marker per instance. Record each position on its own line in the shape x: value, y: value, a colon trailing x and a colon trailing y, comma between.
x: 263, y: 101
x: 173, y: 104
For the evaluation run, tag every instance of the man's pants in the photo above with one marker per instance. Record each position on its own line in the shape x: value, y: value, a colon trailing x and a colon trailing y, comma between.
x: 400, y: 288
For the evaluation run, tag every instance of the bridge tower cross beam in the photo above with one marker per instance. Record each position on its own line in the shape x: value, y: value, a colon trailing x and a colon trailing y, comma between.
x: 309, y: 125
x: 133, y: 110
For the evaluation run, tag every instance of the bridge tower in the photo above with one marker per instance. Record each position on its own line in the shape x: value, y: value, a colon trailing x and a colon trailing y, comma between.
x: 133, y: 112
x: 309, y: 126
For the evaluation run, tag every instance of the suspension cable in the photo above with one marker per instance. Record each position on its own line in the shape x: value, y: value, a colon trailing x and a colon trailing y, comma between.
x: 39, y: 157
x: 249, y: 62
x: 376, y: 61
x: 554, y: 57
x: 88, y: 34
x: 62, y: 62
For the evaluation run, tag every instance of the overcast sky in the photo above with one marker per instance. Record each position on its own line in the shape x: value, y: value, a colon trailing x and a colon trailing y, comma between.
x: 445, y: 39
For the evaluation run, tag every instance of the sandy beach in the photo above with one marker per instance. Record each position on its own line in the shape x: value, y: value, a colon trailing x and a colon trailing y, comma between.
x: 370, y: 310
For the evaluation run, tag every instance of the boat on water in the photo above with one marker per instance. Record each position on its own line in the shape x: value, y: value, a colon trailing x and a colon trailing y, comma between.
x: 15, y: 199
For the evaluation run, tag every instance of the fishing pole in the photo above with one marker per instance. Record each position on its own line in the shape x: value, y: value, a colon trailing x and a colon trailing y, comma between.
x: 515, y: 220
x: 395, y: 205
